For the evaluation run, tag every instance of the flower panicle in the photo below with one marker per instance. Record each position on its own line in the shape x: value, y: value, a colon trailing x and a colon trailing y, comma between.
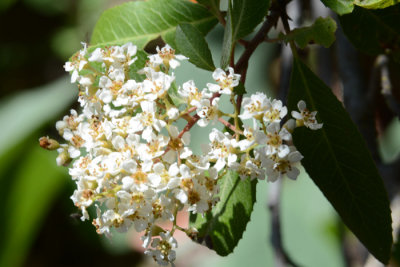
x: 133, y: 164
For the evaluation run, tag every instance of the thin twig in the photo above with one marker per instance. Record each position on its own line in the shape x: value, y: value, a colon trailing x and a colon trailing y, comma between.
x: 230, y: 126
x: 189, y: 125
x: 243, y: 62
x: 271, y: 20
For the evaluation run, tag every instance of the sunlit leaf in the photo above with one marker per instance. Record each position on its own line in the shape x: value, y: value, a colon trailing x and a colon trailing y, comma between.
x: 223, y: 227
x: 339, y: 6
x: 142, y: 21
x: 342, y: 7
x: 322, y: 32
x: 191, y: 43
x: 338, y: 161
x: 376, y: 4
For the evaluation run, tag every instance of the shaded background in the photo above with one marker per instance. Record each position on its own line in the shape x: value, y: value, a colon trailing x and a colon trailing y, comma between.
x: 38, y: 222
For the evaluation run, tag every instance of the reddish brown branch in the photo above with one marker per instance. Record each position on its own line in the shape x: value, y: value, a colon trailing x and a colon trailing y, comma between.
x: 189, y: 125
x: 230, y: 126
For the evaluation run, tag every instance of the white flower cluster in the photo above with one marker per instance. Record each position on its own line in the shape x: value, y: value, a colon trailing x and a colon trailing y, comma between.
x: 133, y: 164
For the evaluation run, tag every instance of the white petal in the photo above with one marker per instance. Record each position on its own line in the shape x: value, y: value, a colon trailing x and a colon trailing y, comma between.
x: 283, y: 151
x: 170, y: 156
x: 186, y: 138
x: 154, y: 179
x: 220, y: 164
x: 214, y: 88
x: 185, y: 153
x: 301, y: 105
x: 297, y: 115
x: 181, y: 196
x: 293, y: 173
x: 173, y: 113
x: 295, y: 156
x: 173, y: 131
x: 129, y: 166
x: 127, y: 183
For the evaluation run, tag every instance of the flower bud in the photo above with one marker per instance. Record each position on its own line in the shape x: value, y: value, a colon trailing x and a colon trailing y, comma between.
x: 47, y: 143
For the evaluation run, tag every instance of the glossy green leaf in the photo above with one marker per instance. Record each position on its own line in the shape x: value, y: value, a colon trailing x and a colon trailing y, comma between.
x: 223, y: 227
x: 35, y: 184
x: 376, y: 4
x: 142, y: 21
x: 243, y: 16
x: 322, y: 32
x: 191, y: 43
x: 374, y: 31
x: 338, y: 161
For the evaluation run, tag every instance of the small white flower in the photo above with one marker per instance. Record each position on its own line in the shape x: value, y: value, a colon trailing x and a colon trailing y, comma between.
x: 305, y: 117
x: 166, y: 56
x: 77, y: 64
x: 221, y: 149
x: 275, y: 140
x: 278, y: 167
x: 249, y: 168
x: 162, y: 249
x: 146, y: 120
x: 207, y: 112
x: 226, y: 82
x: 157, y: 84
x: 191, y: 93
x: 254, y: 106
x: 274, y: 112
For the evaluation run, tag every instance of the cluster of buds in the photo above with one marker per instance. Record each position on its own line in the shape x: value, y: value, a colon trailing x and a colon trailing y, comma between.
x: 131, y: 161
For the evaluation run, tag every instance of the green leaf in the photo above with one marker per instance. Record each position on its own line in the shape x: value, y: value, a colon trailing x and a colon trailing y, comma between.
x: 339, y: 6
x: 140, y: 22
x: 35, y: 184
x: 191, y: 43
x: 223, y: 227
x: 374, y: 31
x: 376, y: 4
x: 213, y: 5
x: 342, y: 7
x: 322, y: 32
x: 175, y: 96
x: 338, y: 161
x: 228, y: 42
x: 243, y: 16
